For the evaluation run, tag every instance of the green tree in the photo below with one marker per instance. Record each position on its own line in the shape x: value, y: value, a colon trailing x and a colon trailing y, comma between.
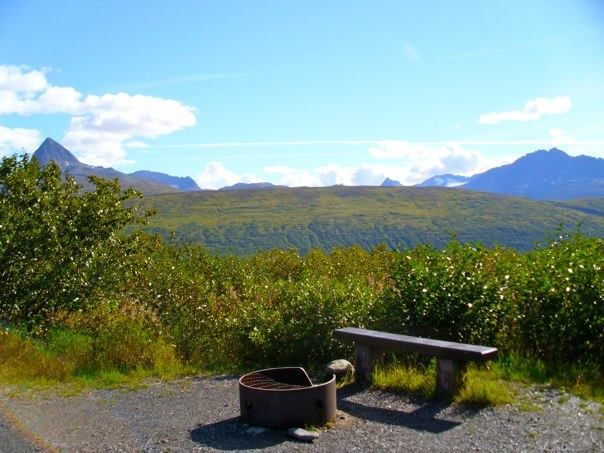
x: 58, y: 244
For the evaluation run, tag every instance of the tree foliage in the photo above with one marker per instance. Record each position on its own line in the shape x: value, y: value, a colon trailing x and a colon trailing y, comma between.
x: 57, y: 244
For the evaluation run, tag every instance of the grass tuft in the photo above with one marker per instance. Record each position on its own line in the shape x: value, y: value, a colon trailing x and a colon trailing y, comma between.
x: 584, y: 380
x: 80, y: 361
x: 22, y: 359
x: 483, y: 387
x: 406, y: 379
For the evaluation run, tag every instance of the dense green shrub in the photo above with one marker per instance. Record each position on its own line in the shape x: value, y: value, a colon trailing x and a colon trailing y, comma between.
x: 279, y: 308
x: 547, y: 304
x: 292, y: 322
x: 57, y: 245
x: 560, y: 309
x: 461, y: 293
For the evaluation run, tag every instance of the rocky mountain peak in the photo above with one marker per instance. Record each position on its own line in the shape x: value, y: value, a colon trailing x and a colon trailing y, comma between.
x: 50, y: 150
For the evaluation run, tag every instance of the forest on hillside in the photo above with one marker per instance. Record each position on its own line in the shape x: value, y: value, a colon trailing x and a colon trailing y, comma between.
x: 244, y: 222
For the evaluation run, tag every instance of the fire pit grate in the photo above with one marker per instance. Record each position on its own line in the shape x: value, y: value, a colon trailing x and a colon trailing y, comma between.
x: 262, y: 381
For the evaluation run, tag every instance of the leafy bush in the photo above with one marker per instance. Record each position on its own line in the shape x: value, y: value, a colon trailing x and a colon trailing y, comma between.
x: 461, y: 293
x: 560, y: 310
x: 292, y: 322
x: 57, y: 245
x: 547, y: 304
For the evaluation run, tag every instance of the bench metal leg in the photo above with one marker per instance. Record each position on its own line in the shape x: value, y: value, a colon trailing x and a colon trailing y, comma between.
x: 365, y: 359
x: 449, y: 376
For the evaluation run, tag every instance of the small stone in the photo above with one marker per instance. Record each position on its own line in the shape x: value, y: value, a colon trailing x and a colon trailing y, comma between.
x: 255, y: 430
x: 302, y: 434
x: 339, y: 367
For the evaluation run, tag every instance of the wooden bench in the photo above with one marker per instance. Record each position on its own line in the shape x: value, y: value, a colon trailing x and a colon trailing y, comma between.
x: 451, y: 357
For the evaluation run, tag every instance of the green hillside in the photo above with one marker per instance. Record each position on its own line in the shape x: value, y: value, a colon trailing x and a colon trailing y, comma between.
x: 594, y: 205
x: 243, y: 222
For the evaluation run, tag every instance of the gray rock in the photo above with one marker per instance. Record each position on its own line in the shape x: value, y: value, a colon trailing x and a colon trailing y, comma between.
x: 302, y: 434
x: 339, y: 367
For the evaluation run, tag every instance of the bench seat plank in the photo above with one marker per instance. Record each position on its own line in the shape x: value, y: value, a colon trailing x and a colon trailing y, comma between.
x: 405, y: 343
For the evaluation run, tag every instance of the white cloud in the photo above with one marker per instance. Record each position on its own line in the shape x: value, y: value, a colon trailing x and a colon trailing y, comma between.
x: 422, y: 161
x: 59, y: 100
x: 25, y: 91
x: 361, y: 175
x: 394, y: 149
x: 134, y: 144
x: 330, y: 175
x: 98, y: 135
x: 12, y: 102
x: 22, y: 80
x: 294, y: 177
x: 145, y: 116
x: 95, y: 147
x: 533, y: 110
x: 101, y: 125
x: 374, y: 174
x: 215, y: 175
x: 15, y: 140
x: 409, y: 163
x: 412, y: 163
x: 559, y: 137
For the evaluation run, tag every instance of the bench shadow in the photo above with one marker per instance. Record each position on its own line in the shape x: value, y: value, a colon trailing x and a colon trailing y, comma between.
x: 423, y: 418
x: 231, y: 434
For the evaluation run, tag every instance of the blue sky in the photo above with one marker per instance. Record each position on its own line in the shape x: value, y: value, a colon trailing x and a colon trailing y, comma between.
x: 302, y: 92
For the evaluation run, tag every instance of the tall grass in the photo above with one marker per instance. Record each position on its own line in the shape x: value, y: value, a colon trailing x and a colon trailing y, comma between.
x: 483, y: 386
x: 66, y: 356
x: 406, y: 378
x: 582, y: 379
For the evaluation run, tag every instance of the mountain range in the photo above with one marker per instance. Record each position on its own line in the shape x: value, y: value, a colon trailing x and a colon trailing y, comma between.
x: 541, y: 175
x: 544, y: 175
x: 180, y: 183
x: 447, y: 180
x: 245, y: 218
x: 150, y: 183
x: 251, y: 186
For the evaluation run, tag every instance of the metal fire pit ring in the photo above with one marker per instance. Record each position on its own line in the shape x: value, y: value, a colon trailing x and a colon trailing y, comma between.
x: 285, y: 398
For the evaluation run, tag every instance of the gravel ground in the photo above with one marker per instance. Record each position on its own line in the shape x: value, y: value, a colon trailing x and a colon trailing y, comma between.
x: 13, y: 440
x: 201, y: 414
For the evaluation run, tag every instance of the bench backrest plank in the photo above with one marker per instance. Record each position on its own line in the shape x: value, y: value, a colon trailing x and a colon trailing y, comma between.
x: 428, y: 346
